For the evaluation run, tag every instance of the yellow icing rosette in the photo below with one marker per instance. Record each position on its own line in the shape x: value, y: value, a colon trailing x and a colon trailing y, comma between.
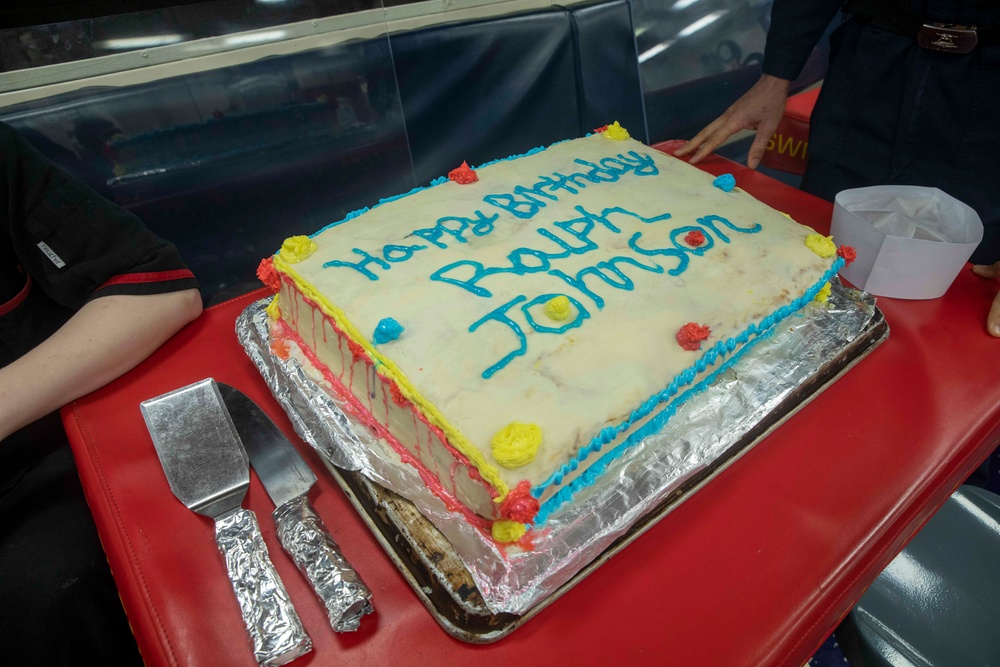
x: 616, y: 132
x: 823, y: 294
x: 506, y: 531
x: 297, y: 248
x: 558, y: 308
x: 273, y: 310
x: 821, y: 245
x: 516, y: 444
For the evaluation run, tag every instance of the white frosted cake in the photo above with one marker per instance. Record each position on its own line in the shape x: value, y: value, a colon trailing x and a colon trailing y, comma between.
x: 507, y: 329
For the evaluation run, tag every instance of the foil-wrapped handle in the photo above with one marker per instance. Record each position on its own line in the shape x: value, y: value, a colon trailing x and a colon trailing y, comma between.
x: 275, y: 629
x: 306, y: 539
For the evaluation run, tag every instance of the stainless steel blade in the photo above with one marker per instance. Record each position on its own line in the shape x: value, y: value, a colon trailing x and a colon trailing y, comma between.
x: 198, y: 448
x: 279, y: 465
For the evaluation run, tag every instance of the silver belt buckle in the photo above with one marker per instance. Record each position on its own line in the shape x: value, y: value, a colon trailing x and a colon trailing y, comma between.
x: 947, y: 37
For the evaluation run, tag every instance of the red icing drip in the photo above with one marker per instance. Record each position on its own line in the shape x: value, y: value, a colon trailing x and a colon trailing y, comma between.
x: 463, y: 175
x: 601, y: 129
x: 848, y: 253
x: 432, y: 482
x: 694, y: 238
x: 520, y: 505
x: 691, y: 334
x: 267, y: 274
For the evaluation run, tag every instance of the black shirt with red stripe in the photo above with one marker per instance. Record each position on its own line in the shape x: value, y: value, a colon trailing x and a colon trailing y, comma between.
x: 62, y: 244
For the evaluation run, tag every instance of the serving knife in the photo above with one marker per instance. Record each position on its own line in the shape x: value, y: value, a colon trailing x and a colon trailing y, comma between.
x: 287, y: 478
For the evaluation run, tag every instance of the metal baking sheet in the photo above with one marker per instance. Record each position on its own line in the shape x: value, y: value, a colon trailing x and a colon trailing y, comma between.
x: 476, y: 596
x: 437, y: 575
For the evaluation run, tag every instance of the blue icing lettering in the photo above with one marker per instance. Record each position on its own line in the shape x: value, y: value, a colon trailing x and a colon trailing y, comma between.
x: 581, y: 235
x: 400, y: 253
x: 518, y: 266
x: 598, y: 174
x: 455, y: 226
x: 710, y: 220
x: 499, y: 315
x: 519, y: 208
x: 560, y: 182
x: 387, y: 330
x: 623, y: 282
x: 362, y: 266
x: 642, y: 165
x: 679, y: 251
x: 533, y: 192
x: 679, y: 254
x: 468, y: 284
x: 526, y: 202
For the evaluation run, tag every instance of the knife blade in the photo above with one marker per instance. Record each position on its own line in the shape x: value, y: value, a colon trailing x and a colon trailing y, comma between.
x: 207, y: 470
x: 287, y: 479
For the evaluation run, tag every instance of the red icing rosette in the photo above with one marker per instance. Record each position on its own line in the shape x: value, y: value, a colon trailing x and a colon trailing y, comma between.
x: 691, y: 334
x: 600, y: 129
x: 520, y: 505
x: 694, y: 238
x: 267, y: 274
x: 848, y: 253
x: 463, y: 175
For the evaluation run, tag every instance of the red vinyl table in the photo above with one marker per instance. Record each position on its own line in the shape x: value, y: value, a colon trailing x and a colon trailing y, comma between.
x: 757, y: 568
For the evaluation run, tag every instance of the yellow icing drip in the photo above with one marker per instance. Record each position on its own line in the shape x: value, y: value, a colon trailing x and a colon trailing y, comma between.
x: 297, y: 248
x: 821, y: 245
x: 616, y: 132
x: 559, y: 308
x: 516, y: 444
x: 273, y: 310
x: 389, y: 369
x: 824, y: 293
x: 508, y: 531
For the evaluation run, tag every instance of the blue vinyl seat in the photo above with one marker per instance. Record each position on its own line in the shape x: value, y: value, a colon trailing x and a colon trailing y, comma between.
x: 937, y: 604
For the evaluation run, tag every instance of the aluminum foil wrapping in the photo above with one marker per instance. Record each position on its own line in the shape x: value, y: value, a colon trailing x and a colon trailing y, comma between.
x: 703, y: 428
x: 275, y: 629
x: 340, y: 589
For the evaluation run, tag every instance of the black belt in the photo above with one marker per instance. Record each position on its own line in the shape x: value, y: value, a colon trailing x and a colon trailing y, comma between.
x: 894, y: 16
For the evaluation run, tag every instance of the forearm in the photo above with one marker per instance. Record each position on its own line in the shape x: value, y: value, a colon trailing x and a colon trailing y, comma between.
x: 103, y: 340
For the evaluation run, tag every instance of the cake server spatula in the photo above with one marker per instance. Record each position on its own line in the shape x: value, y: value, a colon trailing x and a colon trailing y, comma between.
x: 208, y: 471
x: 288, y: 478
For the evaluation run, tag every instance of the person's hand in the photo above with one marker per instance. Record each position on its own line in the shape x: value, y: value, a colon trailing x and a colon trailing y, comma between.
x: 760, y: 108
x: 991, y: 271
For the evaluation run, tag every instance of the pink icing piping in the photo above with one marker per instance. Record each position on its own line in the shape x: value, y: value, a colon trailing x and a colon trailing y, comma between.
x: 366, y: 417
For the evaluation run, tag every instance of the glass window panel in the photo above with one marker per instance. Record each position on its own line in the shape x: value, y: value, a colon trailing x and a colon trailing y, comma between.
x: 229, y: 160
x: 73, y: 40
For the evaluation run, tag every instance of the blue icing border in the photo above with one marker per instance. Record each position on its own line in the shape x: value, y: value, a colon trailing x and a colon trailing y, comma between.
x: 440, y: 180
x: 760, y: 331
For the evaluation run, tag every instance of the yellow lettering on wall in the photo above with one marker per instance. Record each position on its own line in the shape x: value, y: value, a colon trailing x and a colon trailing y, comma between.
x: 788, y: 145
